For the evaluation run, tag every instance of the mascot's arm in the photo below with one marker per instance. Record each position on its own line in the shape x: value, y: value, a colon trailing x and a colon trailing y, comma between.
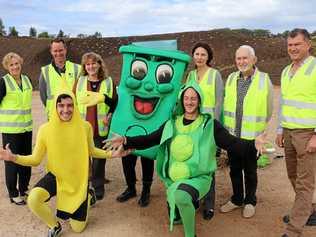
x: 93, y: 151
x: 38, y: 153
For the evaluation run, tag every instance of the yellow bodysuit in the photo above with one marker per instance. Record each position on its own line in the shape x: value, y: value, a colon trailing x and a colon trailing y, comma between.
x: 68, y: 146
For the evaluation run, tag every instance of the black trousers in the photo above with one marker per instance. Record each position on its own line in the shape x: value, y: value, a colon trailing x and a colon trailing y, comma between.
x: 98, y: 169
x: 248, y: 164
x: 129, y: 163
x: 20, y: 143
x: 209, y: 198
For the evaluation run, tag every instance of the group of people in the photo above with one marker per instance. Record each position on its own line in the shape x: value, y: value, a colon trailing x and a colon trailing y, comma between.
x: 208, y: 116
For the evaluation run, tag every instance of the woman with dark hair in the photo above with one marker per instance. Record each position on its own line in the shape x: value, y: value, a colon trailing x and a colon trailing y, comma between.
x: 210, y: 81
x: 96, y: 83
x: 16, y: 124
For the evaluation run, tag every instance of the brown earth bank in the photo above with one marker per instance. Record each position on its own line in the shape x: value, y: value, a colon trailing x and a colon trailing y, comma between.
x: 271, y: 50
x: 110, y: 218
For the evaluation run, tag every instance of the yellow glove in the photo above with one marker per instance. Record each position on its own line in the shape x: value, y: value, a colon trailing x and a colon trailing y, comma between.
x: 91, y: 98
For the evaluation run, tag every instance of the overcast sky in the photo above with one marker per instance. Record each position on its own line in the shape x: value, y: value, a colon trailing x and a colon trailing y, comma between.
x: 143, y: 17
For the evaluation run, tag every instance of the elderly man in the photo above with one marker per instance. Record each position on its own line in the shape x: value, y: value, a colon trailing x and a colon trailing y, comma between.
x: 297, y: 131
x: 247, y: 110
x: 60, y: 71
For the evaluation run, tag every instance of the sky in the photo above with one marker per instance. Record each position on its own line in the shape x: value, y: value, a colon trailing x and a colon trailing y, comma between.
x: 114, y: 18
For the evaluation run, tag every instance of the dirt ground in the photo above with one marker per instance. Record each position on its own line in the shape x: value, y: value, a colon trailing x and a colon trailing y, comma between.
x: 110, y: 218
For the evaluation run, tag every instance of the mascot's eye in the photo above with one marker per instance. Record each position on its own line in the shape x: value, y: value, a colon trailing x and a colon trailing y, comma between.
x: 164, y: 73
x: 139, y: 69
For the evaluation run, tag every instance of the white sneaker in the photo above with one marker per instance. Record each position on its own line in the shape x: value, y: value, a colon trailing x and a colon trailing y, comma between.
x: 228, y: 207
x: 249, y: 211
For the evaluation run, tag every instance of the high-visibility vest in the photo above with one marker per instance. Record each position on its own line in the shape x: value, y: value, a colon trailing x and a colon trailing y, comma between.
x: 208, y: 86
x: 254, y: 118
x: 106, y: 87
x: 55, y: 81
x: 298, y: 104
x: 15, y: 107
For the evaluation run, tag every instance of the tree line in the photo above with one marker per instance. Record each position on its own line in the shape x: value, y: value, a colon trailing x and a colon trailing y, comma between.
x: 12, y: 32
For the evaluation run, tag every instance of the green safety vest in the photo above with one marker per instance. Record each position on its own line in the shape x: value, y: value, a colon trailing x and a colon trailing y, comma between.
x: 16, y: 106
x: 207, y: 85
x: 106, y: 87
x: 298, y: 104
x: 255, y: 106
x: 55, y: 82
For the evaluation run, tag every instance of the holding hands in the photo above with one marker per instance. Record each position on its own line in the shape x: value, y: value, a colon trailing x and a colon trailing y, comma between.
x: 115, y: 144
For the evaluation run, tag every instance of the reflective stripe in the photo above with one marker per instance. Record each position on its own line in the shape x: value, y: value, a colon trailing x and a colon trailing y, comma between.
x: 101, y: 116
x: 305, y: 121
x: 298, y: 104
x: 285, y: 71
x: 27, y: 82
x: 16, y: 124
x: 81, y: 83
x: 108, y: 85
x: 11, y: 111
x: 48, y: 88
x: 246, y: 118
x: 249, y: 134
x: 208, y: 110
x: 261, y: 81
x: 76, y: 70
x: 230, y: 78
x: 311, y: 67
x: 9, y: 82
x: 210, y: 77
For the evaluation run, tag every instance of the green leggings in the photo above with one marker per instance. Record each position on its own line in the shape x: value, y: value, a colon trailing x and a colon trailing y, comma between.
x: 38, y: 205
x: 183, y: 201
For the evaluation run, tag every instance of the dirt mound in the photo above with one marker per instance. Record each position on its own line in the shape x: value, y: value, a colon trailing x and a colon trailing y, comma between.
x: 271, y: 51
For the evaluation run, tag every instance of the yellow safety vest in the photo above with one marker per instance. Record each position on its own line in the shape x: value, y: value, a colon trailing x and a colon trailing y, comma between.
x: 106, y: 87
x: 207, y: 85
x: 298, y: 104
x: 55, y: 82
x: 15, y: 107
x: 254, y: 120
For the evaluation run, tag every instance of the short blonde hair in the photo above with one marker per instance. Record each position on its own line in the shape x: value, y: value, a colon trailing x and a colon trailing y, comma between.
x: 103, y: 71
x: 8, y: 57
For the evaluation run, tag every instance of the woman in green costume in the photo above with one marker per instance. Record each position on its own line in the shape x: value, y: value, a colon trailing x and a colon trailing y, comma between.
x: 186, y: 155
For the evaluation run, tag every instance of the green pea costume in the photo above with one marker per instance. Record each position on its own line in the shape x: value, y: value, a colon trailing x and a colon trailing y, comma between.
x: 185, y: 160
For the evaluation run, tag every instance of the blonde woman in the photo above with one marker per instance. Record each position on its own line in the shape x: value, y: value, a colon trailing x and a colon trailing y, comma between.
x: 16, y: 124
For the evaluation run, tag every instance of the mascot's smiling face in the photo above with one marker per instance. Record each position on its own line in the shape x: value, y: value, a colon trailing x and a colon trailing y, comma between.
x: 150, y: 82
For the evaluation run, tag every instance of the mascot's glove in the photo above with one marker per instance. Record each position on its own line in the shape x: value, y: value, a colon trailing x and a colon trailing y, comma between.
x: 92, y: 98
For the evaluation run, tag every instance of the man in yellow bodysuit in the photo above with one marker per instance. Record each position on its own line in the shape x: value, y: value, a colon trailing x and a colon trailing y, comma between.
x: 68, y: 142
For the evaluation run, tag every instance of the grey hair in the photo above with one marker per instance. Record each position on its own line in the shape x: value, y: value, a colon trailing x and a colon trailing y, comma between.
x: 249, y: 48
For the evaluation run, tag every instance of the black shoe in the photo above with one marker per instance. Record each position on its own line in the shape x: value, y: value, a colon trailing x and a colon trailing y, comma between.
x: 208, y: 214
x: 99, y: 194
x: 18, y: 201
x: 310, y: 222
x: 56, y: 231
x: 286, y: 219
x: 126, y: 195
x: 93, y: 199
x: 144, y: 199
x: 284, y: 235
x: 312, y: 219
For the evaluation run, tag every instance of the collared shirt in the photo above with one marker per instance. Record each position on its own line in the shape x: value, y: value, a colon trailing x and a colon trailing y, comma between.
x: 242, y: 88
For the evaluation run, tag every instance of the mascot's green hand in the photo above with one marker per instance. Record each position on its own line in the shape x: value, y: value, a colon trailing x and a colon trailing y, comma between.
x: 91, y: 98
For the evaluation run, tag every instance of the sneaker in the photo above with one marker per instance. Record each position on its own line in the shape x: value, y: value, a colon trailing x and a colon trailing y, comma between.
x: 228, y: 207
x: 17, y: 201
x: 249, y: 211
x: 56, y: 231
